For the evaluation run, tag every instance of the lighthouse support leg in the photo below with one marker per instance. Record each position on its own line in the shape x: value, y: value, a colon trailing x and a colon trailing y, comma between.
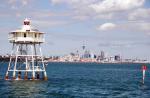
x: 33, y: 72
x: 10, y: 61
x: 36, y: 62
x: 45, y: 75
x: 26, y: 73
x: 14, y: 71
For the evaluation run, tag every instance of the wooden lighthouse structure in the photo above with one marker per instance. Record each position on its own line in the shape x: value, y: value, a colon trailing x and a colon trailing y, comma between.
x: 26, y: 60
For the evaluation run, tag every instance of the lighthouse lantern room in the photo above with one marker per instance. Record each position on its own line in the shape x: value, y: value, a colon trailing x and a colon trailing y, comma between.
x: 26, y: 60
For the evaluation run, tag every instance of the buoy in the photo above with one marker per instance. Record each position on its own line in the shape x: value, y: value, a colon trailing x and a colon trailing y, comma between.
x: 144, y: 67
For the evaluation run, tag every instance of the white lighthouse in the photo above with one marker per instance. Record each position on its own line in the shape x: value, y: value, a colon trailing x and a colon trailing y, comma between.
x: 26, y: 60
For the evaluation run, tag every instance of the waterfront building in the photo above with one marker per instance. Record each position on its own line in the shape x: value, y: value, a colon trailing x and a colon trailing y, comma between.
x: 102, y: 55
x: 117, y: 58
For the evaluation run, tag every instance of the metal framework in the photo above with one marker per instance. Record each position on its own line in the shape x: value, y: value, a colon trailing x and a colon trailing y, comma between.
x: 25, y: 62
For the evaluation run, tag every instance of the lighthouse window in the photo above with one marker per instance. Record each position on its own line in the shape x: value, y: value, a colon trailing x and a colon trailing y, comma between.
x: 25, y: 35
x: 35, y: 35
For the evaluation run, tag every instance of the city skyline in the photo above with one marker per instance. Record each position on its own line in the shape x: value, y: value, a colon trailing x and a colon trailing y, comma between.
x: 114, y: 26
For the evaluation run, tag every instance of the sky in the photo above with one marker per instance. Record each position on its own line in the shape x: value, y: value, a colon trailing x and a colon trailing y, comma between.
x: 114, y: 26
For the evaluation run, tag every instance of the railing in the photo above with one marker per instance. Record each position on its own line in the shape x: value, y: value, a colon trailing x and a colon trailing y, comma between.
x: 25, y: 39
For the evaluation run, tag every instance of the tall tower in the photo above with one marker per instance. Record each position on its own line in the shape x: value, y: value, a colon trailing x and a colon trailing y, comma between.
x: 26, y: 60
x: 83, y: 50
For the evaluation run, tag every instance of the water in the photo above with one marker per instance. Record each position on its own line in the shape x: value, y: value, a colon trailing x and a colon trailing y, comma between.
x: 80, y: 80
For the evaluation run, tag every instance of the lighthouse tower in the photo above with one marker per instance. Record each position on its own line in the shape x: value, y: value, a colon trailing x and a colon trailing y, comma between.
x: 26, y: 60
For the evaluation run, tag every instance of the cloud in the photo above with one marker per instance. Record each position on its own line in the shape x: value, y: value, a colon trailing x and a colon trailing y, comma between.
x: 79, y: 9
x: 106, y: 26
x: 99, y: 9
x: 116, y: 5
x: 140, y: 13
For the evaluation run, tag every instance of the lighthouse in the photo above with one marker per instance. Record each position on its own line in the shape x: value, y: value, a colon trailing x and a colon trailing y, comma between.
x: 26, y: 59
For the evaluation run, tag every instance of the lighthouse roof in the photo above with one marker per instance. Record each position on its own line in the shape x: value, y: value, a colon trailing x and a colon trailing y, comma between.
x: 27, y: 20
x: 26, y: 27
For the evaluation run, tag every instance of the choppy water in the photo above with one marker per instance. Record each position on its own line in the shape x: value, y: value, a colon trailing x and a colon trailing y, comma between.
x: 78, y: 80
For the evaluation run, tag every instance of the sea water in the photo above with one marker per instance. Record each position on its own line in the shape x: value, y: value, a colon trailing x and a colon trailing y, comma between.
x: 80, y: 80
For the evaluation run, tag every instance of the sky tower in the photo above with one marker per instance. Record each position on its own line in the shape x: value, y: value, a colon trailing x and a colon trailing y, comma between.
x: 26, y: 60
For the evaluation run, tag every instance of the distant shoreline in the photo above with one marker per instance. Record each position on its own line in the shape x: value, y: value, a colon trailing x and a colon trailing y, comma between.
x: 7, y: 59
x: 101, y: 62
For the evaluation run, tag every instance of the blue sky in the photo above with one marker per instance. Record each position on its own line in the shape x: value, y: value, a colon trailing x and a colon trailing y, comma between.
x: 114, y: 26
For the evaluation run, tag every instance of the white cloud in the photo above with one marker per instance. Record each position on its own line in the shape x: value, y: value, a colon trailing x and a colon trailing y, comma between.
x: 99, y: 9
x: 116, y: 5
x: 140, y: 13
x: 106, y: 26
x: 79, y: 8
